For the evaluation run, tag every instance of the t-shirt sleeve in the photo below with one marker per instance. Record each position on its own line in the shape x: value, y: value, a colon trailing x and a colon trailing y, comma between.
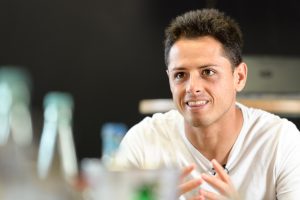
x: 129, y: 154
x: 288, y: 164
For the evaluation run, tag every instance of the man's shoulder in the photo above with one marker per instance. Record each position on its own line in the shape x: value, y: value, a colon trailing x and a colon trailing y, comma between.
x: 158, y: 124
x: 259, y: 115
x: 172, y: 116
x: 258, y: 119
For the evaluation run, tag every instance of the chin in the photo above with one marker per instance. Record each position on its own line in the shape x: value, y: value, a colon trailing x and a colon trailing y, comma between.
x: 200, y: 120
x: 195, y: 122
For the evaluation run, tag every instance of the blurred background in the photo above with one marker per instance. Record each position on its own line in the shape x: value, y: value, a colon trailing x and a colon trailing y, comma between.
x: 109, y: 53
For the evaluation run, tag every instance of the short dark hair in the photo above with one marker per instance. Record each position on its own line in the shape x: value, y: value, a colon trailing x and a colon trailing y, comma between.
x: 206, y: 22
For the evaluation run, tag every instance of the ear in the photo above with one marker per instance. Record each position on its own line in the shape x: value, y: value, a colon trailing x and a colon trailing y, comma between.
x: 240, y: 76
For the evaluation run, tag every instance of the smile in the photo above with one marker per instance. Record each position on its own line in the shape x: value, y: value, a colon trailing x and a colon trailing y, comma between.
x: 196, y: 103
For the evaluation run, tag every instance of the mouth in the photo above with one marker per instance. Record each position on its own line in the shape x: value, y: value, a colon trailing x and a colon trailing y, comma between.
x: 196, y: 103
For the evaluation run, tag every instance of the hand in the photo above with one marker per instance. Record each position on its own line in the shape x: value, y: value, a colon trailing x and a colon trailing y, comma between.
x: 191, y: 184
x: 221, y: 182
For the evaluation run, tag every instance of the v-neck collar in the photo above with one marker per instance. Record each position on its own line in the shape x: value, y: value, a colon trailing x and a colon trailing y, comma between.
x: 234, y: 152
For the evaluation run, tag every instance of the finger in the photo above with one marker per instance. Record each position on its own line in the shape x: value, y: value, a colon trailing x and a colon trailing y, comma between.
x: 199, y: 196
x: 186, y: 171
x: 210, y: 195
x: 220, y: 172
x: 216, y: 183
x: 190, y: 185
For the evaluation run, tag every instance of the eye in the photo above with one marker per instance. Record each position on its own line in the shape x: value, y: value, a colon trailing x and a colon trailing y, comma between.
x: 208, y: 72
x: 179, y: 75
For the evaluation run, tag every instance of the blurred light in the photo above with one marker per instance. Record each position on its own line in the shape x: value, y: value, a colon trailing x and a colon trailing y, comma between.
x: 15, y: 115
x: 57, y: 122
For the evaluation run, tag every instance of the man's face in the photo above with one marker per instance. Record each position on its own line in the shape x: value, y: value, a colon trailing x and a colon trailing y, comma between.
x: 202, y: 81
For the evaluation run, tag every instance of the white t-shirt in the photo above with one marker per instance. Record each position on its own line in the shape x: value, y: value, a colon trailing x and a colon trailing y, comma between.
x: 264, y: 162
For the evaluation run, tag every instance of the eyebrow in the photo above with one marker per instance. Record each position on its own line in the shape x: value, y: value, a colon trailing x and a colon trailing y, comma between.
x: 199, y: 67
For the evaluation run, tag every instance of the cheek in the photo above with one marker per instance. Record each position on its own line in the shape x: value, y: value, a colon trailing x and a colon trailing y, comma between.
x: 171, y: 85
x: 171, y: 88
x: 222, y: 88
x: 176, y: 92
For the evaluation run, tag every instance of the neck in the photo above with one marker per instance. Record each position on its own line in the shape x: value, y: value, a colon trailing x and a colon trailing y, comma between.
x: 215, y: 141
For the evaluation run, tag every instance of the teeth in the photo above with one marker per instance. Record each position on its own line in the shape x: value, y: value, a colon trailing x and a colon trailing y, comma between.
x: 196, y: 103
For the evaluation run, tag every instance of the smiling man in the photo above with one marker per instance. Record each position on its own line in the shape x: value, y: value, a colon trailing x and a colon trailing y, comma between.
x: 225, y: 149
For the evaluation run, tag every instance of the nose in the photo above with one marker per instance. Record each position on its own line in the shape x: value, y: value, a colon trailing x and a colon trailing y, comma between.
x: 193, y: 85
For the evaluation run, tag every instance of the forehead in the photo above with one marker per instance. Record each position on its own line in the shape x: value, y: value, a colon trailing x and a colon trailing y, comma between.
x: 201, y: 50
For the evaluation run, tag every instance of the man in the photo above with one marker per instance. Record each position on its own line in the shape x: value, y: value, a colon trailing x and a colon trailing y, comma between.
x: 225, y: 149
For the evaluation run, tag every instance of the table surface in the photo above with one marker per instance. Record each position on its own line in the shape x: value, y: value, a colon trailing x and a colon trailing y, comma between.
x: 283, y: 104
